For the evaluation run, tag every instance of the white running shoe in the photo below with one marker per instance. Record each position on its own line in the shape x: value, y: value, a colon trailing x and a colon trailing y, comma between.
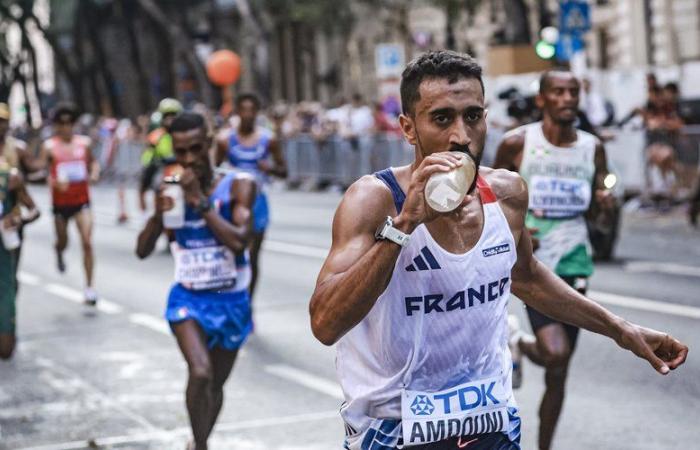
x: 515, y: 334
x: 90, y: 296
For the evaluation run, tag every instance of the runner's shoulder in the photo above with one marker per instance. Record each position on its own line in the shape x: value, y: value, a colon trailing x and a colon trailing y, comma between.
x: 515, y: 138
x: 82, y: 140
x: 367, y: 199
x: 508, y: 186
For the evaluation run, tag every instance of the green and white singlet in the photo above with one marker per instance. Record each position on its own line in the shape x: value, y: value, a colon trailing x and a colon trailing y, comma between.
x: 560, y: 183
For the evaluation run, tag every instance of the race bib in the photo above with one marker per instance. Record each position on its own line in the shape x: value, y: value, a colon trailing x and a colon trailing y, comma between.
x: 558, y: 197
x: 72, y: 171
x: 471, y: 408
x: 204, y: 268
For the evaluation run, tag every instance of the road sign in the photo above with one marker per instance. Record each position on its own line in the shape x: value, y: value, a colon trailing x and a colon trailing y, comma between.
x: 389, y: 60
x: 567, y: 45
x: 574, y: 16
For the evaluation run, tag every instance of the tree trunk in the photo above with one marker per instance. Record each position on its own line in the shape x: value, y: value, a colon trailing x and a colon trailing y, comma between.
x: 128, y: 20
x: 100, y: 63
x: 182, y: 44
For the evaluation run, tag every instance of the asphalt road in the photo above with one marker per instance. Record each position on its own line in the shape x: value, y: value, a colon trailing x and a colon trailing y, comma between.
x: 116, y: 380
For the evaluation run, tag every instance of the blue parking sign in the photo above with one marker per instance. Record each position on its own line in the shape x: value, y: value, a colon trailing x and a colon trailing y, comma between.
x: 567, y: 45
x: 574, y: 16
x: 389, y: 60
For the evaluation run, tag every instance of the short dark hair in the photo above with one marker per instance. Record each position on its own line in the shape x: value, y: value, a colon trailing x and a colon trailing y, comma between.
x: 672, y: 86
x: 547, y: 74
x: 248, y: 97
x: 435, y: 64
x: 63, y: 109
x: 187, y: 121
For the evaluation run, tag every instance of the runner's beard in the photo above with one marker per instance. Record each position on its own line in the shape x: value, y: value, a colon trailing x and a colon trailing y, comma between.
x: 464, y: 149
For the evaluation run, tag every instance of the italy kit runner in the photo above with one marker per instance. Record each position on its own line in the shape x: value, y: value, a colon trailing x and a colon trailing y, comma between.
x: 209, y: 304
x: 254, y: 150
x: 416, y: 300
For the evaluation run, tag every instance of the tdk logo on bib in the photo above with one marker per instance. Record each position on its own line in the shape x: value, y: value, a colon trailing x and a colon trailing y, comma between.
x: 497, y: 250
x: 422, y: 406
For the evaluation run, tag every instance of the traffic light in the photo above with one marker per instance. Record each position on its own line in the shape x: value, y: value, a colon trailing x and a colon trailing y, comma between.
x: 545, y: 47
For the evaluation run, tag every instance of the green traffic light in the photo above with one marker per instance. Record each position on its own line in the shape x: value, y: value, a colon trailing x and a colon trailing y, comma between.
x: 545, y: 50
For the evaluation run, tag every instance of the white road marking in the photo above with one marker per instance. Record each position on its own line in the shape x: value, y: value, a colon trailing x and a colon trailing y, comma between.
x: 149, y: 321
x: 689, y: 312
x: 662, y: 267
x: 74, y: 379
x: 306, y: 379
x: 185, y: 431
x: 295, y: 249
x: 28, y: 278
x: 76, y: 296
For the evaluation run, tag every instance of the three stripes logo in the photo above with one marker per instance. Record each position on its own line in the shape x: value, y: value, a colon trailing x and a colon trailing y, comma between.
x: 424, y: 261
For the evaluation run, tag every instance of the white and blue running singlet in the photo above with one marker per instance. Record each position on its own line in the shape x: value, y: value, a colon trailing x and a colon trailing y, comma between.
x: 430, y: 361
x: 211, y: 282
x: 246, y: 158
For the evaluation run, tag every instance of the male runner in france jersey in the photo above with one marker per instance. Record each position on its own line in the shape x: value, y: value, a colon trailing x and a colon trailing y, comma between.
x: 417, y: 300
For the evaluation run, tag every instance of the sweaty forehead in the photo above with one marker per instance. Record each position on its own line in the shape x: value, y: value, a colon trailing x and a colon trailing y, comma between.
x: 440, y: 93
x: 561, y: 80
x: 187, y: 138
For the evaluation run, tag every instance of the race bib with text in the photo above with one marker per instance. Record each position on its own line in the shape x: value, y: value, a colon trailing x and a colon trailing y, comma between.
x: 204, y: 268
x: 472, y: 408
x: 558, y: 197
x: 72, y: 171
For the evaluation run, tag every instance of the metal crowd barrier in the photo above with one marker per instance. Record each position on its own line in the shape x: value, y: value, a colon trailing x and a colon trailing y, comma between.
x: 338, y: 161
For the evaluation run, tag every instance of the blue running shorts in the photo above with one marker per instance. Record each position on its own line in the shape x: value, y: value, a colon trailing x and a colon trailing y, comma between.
x: 261, y: 213
x: 225, y: 317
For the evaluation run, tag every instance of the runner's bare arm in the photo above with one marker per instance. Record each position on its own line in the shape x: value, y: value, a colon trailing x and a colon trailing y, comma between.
x: 279, y: 166
x: 235, y: 235
x: 358, y: 268
x: 93, y: 163
x: 603, y: 196
x: 221, y: 148
x: 148, y: 237
x: 509, y: 153
x: 541, y: 289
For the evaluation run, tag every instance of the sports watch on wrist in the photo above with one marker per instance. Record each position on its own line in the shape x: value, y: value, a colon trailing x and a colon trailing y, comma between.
x: 387, y: 231
x: 203, y: 206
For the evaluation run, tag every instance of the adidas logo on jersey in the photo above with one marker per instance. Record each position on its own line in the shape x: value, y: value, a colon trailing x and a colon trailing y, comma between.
x: 424, y: 261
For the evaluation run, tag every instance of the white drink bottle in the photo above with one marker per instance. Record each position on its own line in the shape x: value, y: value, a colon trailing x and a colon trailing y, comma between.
x: 10, y: 236
x: 445, y: 190
x: 175, y: 217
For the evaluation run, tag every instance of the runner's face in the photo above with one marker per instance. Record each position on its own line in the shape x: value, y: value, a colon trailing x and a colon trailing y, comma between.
x: 192, y: 151
x: 448, y: 116
x: 63, y: 126
x: 248, y: 112
x: 559, y: 100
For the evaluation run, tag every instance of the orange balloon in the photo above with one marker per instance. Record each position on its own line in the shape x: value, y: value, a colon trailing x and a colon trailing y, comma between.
x: 223, y: 67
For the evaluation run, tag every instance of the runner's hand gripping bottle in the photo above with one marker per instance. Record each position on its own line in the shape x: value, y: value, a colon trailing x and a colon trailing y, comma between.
x: 445, y: 190
x: 174, y: 217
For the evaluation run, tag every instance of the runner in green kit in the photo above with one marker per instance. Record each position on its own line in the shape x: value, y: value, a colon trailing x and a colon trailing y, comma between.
x: 564, y: 169
x: 12, y: 195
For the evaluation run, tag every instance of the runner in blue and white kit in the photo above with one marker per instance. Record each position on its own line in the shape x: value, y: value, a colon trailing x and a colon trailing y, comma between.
x: 417, y: 300
x: 254, y: 150
x: 209, y: 304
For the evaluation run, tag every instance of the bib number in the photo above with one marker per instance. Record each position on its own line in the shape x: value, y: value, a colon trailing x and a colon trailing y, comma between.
x: 475, y: 407
x: 72, y: 171
x: 205, y: 268
x: 559, y: 197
